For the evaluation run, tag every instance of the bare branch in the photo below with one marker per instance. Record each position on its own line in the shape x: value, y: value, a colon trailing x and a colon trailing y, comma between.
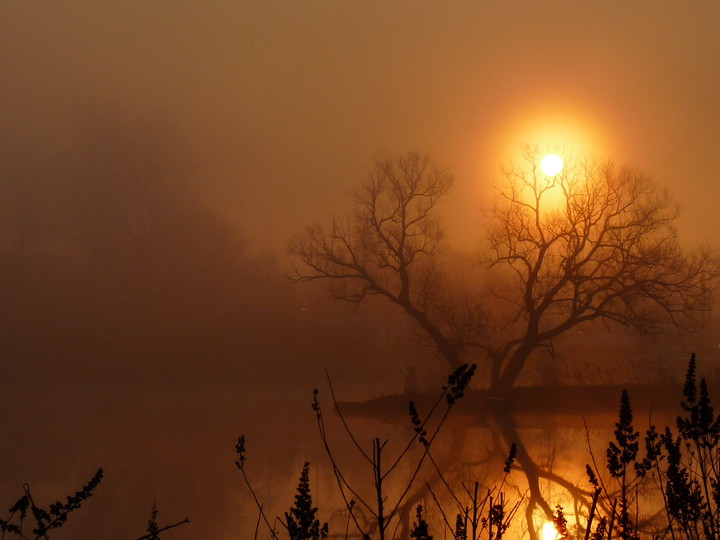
x: 607, y: 251
x: 386, y: 246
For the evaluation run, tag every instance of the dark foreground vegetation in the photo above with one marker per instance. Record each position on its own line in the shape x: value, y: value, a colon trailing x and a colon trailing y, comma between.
x: 680, y: 466
x: 28, y: 520
x: 677, y: 466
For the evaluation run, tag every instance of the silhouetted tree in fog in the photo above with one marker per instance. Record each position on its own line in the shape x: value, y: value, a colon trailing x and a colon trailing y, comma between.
x: 126, y: 259
x: 591, y: 243
x: 387, y: 246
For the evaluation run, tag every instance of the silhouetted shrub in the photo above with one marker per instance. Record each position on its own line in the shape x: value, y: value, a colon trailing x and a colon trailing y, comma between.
x: 300, y: 520
x: 45, y: 520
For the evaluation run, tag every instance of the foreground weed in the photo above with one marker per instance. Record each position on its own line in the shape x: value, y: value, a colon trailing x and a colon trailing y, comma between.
x: 300, y: 521
x: 45, y: 520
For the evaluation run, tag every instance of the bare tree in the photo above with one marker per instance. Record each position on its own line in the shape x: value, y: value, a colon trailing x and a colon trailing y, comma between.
x: 591, y: 243
x: 387, y: 246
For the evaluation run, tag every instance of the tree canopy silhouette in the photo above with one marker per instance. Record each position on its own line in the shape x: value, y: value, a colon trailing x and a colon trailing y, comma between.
x: 594, y: 242
x: 387, y: 246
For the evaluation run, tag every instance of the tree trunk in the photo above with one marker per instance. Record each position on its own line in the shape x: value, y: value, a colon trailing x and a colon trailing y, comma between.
x: 512, y: 370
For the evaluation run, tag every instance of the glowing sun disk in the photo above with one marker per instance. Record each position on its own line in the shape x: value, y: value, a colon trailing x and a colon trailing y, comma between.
x: 548, y: 531
x: 552, y: 164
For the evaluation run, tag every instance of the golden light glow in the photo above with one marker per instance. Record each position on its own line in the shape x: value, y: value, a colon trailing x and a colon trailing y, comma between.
x: 553, y: 200
x: 552, y: 164
x: 548, y: 531
x: 559, y: 128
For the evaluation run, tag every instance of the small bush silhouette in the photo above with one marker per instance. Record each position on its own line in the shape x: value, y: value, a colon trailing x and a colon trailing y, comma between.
x: 300, y: 520
x: 420, y: 527
x: 45, y: 520
x: 686, y: 467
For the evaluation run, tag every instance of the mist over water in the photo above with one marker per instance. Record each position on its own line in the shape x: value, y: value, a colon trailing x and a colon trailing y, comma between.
x: 155, y: 159
x: 141, y: 334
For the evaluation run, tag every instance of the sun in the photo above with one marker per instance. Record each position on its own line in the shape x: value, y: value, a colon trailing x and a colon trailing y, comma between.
x: 552, y: 164
x: 548, y: 531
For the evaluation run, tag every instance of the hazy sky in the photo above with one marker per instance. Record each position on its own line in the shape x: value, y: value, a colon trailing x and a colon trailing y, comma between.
x: 282, y: 105
x: 272, y: 112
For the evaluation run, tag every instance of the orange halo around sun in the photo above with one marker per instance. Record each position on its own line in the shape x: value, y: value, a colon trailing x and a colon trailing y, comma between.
x: 558, y: 130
